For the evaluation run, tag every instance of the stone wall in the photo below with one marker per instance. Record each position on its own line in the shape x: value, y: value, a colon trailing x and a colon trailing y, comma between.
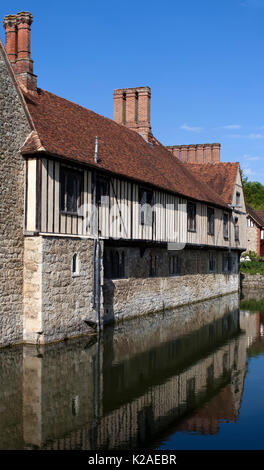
x: 252, y: 238
x: 252, y: 281
x: 139, y: 294
x: 57, y: 301
x: 14, y: 127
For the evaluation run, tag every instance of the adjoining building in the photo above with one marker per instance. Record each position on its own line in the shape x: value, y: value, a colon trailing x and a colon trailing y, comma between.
x: 100, y: 221
x: 255, y: 231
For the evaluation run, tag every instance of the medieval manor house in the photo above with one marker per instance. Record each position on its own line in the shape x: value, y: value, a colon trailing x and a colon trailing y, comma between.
x: 98, y: 220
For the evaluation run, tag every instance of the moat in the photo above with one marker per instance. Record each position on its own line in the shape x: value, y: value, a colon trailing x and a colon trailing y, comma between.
x: 185, y: 379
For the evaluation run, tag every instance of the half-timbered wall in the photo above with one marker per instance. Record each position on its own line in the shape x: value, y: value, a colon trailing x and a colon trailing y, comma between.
x: 119, y: 212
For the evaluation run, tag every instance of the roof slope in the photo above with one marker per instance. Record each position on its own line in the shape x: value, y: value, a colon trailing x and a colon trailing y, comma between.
x: 67, y: 130
x: 220, y: 176
x: 258, y: 216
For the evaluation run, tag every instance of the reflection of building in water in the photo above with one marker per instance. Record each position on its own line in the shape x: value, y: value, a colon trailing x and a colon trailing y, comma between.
x: 253, y: 324
x: 128, y: 390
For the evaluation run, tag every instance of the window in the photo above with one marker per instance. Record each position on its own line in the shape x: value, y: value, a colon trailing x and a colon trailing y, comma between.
x: 233, y: 264
x: 102, y: 189
x: 75, y: 265
x: 212, y: 264
x: 225, y: 363
x: 250, y: 223
x: 225, y: 264
x: 174, y: 265
x: 71, y: 187
x: 190, y: 389
x: 117, y: 264
x: 153, y: 266
x: 262, y: 234
x: 238, y: 199
x: 236, y: 227
x: 145, y: 200
x: 210, y: 376
x: 191, y: 217
x: 226, y: 219
x: 210, y: 220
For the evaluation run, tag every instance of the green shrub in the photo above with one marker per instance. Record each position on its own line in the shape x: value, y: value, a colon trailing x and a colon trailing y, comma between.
x: 255, y: 266
x: 252, y: 305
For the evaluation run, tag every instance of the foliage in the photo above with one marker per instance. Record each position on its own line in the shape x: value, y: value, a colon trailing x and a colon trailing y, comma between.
x: 254, y: 193
x: 252, y: 305
x: 255, y: 266
x: 250, y: 254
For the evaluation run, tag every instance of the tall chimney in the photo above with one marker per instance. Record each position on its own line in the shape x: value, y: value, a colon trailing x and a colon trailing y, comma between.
x: 132, y: 108
x: 11, y: 38
x: 199, y: 153
x: 18, y: 47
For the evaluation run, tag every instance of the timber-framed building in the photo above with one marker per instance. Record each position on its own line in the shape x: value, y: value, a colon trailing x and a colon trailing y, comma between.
x: 100, y: 221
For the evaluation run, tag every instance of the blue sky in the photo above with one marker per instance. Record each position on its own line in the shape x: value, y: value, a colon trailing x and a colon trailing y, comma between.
x: 202, y: 59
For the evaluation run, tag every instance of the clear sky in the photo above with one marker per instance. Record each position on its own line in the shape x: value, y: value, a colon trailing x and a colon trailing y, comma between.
x: 203, y: 60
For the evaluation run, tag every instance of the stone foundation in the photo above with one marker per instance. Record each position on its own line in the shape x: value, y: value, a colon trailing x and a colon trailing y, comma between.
x: 126, y: 298
x: 252, y: 281
x: 138, y: 294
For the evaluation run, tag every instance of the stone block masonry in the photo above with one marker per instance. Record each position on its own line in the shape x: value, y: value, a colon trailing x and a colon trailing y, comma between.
x: 57, y: 300
x: 14, y: 128
x: 138, y: 293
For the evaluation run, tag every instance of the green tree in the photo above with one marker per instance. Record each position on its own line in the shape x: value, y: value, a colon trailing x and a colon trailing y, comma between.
x: 254, y: 193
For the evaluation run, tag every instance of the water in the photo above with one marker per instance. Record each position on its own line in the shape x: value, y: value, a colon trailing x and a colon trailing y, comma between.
x: 186, y: 379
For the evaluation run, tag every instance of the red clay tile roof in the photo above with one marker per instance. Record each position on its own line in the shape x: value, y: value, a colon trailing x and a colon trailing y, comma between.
x: 258, y: 216
x: 68, y: 130
x: 220, y: 177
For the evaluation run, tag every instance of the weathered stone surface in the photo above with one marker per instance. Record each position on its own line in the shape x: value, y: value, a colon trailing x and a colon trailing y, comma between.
x: 141, y: 294
x: 57, y: 302
x: 14, y: 127
x: 252, y: 281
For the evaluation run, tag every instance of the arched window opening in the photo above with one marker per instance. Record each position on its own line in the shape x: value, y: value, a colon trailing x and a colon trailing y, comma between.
x: 75, y: 265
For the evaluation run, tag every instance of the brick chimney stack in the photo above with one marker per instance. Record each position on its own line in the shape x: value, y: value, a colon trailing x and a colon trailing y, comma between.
x: 11, y: 38
x: 199, y: 153
x: 18, y: 48
x: 132, y: 109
